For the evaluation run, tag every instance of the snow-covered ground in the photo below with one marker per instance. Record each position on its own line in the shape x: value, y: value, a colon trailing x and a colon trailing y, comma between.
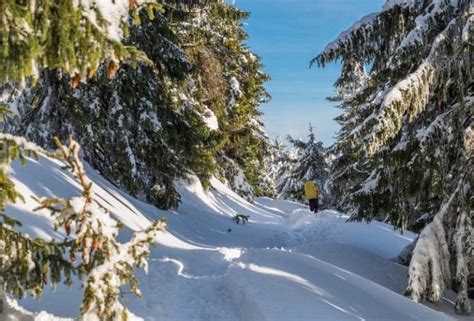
x: 284, y: 264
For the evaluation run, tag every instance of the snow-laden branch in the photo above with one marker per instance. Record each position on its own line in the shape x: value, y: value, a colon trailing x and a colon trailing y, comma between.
x: 106, y: 263
x: 430, y: 272
x: 411, y: 93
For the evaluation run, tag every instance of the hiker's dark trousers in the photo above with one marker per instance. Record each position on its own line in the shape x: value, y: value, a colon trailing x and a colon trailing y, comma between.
x: 313, y: 205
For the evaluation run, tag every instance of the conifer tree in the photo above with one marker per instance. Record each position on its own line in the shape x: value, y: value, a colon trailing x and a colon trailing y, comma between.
x: 230, y: 82
x: 73, y: 38
x: 404, y: 154
x: 277, y: 166
x: 311, y: 164
x: 287, y: 185
x: 144, y: 121
x: 289, y: 161
x: 192, y: 108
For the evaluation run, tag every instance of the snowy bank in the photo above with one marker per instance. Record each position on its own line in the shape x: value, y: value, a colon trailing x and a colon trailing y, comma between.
x: 284, y: 264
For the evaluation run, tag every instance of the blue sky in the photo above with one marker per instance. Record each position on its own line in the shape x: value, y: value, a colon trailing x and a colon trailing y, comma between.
x: 287, y: 34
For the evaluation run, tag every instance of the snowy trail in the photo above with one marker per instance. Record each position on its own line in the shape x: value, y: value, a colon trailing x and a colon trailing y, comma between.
x: 318, y: 290
x: 285, y: 264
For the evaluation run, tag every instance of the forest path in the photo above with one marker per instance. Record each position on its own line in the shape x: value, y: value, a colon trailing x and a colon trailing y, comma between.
x: 286, y: 263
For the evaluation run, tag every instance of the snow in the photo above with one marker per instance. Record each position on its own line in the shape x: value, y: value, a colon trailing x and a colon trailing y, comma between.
x: 21, y: 141
x: 468, y: 27
x: 284, y: 264
x: 426, y: 133
x: 131, y: 157
x: 14, y: 312
x: 210, y: 119
x: 345, y: 35
x: 235, y: 89
x: 432, y: 254
x: 114, y: 12
x: 422, y: 21
x: 389, y: 4
x: 370, y: 183
x: 8, y: 97
x: 416, y: 85
x: 414, y: 35
x: 152, y: 118
x: 235, y: 86
x: 411, y: 93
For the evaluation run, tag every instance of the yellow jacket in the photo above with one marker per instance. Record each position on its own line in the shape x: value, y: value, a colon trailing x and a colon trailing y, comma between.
x: 311, y: 191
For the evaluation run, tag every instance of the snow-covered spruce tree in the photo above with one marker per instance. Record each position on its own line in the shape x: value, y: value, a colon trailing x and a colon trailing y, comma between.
x: 74, y: 37
x: 277, y: 164
x: 230, y: 81
x: 287, y: 162
x: 142, y: 129
x: 405, y: 151
x: 152, y: 124
x: 311, y: 164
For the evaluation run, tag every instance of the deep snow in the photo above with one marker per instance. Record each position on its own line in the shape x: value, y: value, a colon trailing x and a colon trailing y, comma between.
x: 284, y: 264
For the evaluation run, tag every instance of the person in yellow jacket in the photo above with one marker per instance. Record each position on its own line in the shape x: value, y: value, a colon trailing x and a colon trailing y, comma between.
x: 312, y: 192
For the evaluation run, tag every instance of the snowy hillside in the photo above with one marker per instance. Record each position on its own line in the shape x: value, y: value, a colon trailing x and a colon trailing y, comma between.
x: 284, y: 264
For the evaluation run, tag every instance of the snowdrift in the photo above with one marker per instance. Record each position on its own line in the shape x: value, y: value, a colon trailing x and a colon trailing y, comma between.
x: 284, y: 264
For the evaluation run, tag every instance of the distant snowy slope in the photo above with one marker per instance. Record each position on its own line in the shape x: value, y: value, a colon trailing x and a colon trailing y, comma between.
x: 284, y: 264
